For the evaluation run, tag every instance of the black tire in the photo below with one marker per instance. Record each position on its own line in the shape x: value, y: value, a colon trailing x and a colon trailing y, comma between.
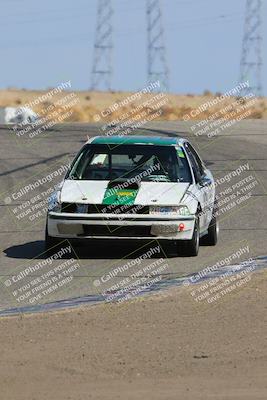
x: 50, y: 243
x: 211, y: 238
x: 189, y: 248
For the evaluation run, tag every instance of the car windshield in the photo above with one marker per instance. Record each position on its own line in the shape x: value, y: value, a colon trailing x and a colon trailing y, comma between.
x: 140, y: 162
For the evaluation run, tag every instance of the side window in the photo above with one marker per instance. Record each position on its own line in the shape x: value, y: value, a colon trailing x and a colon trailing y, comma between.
x: 197, y: 169
x: 197, y: 158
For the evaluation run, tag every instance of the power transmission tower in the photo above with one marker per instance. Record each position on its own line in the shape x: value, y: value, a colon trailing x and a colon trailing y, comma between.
x: 103, y: 47
x: 251, y: 58
x: 157, y: 65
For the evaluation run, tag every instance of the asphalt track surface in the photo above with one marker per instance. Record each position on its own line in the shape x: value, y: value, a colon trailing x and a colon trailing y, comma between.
x: 25, y: 161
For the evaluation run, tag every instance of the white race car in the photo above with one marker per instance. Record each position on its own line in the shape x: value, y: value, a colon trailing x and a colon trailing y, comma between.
x: 135, y: 187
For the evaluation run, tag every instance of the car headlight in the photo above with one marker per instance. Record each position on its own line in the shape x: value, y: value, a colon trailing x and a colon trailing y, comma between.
x: 180, y: 210
x: 53, y: 202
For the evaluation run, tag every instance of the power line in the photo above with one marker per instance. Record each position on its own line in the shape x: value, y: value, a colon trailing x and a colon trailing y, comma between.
x: 103, y: 48
x: 157, y: 65
x: 190, y: 23
x: 251, y: 57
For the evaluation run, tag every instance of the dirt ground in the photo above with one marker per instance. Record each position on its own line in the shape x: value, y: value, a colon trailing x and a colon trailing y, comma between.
x: 166, y: 346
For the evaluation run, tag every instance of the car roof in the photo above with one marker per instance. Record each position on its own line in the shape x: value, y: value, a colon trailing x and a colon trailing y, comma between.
x: 133, y: 139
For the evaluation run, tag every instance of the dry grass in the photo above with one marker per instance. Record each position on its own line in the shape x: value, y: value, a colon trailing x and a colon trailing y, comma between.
x: 92, y: 104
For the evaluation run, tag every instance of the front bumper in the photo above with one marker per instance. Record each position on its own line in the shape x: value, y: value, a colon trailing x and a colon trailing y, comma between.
x: 124, y: 226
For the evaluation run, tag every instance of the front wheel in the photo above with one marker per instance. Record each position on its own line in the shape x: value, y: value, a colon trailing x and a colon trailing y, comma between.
x: 50, y: 242
x: 189, y: 248
x: 213, y: 231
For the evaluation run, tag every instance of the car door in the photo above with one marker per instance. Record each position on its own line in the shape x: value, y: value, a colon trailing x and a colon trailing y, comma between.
x: 204, y: 186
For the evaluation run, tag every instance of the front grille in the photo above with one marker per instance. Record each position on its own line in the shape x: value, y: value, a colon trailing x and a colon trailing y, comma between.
x: 107, y: 209
x: 117, y: 209
x: 68, y: 207
x: 113, y: 230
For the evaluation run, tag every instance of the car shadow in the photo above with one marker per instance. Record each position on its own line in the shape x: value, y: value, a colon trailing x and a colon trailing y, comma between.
x: 26, y: 250
x: 95, y: 250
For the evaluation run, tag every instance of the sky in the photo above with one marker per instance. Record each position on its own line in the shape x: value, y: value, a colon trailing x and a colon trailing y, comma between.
x: 47, y: 42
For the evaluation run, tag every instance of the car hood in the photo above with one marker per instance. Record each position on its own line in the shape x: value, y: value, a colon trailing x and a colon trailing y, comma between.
x: 148, y: 193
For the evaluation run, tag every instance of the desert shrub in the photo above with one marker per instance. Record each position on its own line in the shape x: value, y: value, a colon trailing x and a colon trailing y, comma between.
x: 256, y: 114
x: 207, y: 93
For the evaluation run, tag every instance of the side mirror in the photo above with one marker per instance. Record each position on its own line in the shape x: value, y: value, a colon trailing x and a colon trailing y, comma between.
x: 205, y: 182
